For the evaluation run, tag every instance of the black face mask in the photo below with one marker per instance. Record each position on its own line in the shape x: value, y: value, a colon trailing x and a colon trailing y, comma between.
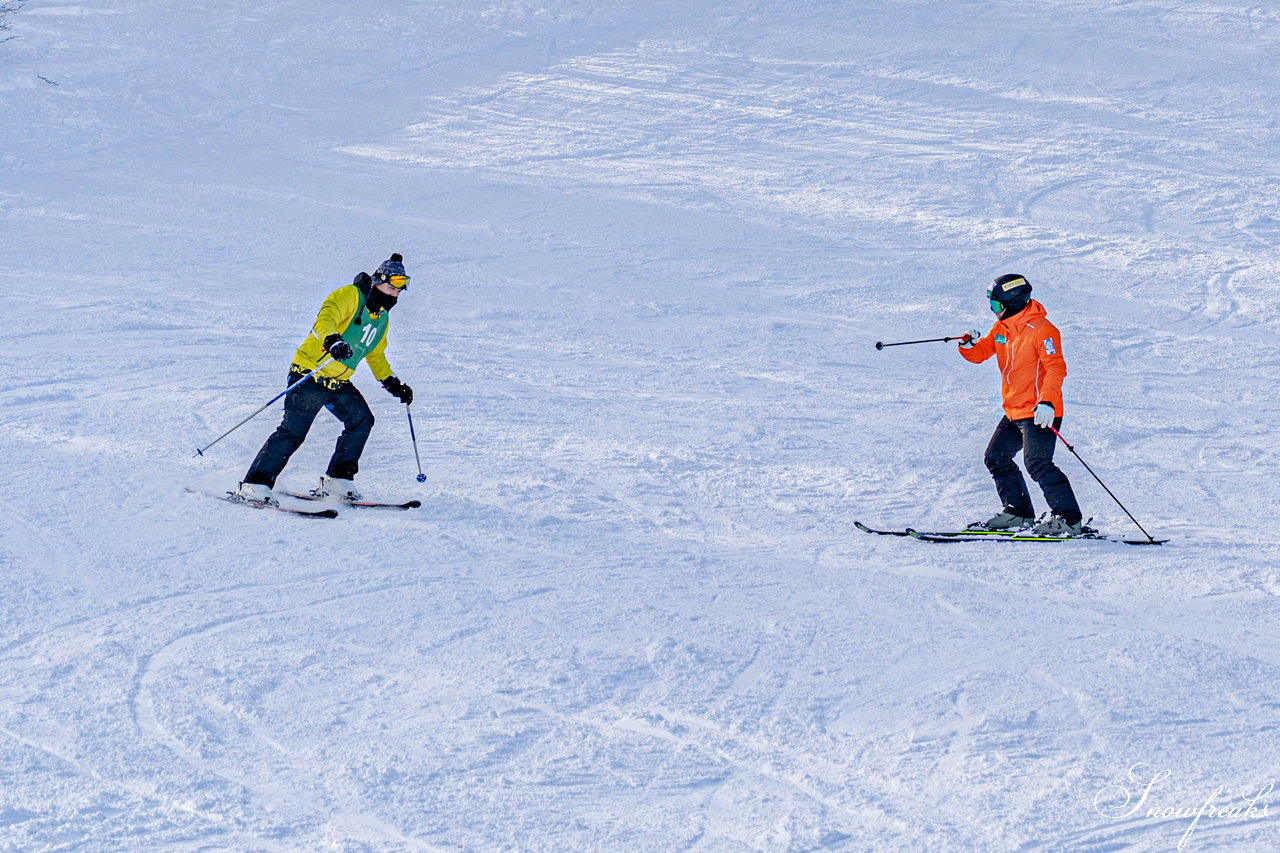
x: 1013, y: 309
x: 379, y: 301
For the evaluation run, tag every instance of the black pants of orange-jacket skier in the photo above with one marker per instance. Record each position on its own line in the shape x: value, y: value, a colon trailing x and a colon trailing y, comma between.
x: 1036, y: 445
x: 301, y: 405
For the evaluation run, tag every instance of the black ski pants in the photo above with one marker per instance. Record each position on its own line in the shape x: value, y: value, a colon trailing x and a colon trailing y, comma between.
x: 301, y: 405
x: 1037, y: 445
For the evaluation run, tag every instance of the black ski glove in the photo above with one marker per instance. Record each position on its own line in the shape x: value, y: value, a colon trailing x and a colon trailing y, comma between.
x: 398, y: 389
x: 338, y: 348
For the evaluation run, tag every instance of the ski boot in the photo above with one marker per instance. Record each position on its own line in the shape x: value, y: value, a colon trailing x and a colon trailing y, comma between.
x: 336, y: 487
x: 1005, y: 519
x: 255, y: 494
x: 1057, y: 527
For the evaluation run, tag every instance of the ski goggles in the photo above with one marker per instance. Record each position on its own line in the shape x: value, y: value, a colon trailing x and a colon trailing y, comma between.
x: 399, y: 282
x: 996, y: 307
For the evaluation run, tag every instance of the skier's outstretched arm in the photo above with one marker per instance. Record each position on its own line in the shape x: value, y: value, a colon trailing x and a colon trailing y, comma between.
x: 978, y: 348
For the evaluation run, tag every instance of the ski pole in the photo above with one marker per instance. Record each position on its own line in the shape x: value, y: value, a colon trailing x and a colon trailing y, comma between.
x: 422, y: 478
x: 1100, y: 483
x: 882, y: 345
x: 200, y: 451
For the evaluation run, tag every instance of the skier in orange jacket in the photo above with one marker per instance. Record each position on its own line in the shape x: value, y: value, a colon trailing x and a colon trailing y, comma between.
x: 1028, y: 350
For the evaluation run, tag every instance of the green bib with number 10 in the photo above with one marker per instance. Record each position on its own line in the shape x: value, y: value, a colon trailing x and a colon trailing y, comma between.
x: 364, y: 333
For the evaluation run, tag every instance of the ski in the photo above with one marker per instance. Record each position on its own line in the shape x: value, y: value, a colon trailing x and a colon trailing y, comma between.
x: 361, y: 504
x: 942, y: 533
x: 1031, y: 537
x: 305, y: 513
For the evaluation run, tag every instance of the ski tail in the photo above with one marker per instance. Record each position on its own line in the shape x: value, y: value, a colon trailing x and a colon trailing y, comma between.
x: 231, y: 498
x: 1031, y: 537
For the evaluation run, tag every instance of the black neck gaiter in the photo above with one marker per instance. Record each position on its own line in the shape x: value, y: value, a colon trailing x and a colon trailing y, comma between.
x: 379, y: 301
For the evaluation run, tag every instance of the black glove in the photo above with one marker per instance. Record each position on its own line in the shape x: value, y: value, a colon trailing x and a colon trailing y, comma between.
x: 338, y: 348
x: 398, y: 389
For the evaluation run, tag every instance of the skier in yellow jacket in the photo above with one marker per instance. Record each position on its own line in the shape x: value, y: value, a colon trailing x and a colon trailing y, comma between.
x: 351, y: 327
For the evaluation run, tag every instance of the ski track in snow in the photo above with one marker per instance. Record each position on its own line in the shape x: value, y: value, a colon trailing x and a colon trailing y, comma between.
x: 652, y: 246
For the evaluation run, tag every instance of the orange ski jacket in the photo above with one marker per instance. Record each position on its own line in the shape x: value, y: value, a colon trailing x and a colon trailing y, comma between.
x: 1028, y: 349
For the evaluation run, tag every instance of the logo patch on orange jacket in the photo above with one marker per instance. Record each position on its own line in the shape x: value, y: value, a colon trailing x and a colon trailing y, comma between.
x: 1048, y: 346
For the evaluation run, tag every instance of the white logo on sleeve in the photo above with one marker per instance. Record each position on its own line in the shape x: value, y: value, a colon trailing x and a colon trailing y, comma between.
x: 1048, y: 346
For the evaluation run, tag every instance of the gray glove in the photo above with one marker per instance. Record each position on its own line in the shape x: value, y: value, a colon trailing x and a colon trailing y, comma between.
x: 970, y: 338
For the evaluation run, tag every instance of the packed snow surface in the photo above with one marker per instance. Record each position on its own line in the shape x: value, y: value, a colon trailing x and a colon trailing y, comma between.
x: 653, y: 245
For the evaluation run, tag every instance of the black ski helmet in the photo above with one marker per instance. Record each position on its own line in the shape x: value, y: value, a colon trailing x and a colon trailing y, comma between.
x: 1009, y: 294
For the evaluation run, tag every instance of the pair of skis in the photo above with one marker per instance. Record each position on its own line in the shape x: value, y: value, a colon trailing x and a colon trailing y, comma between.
x: 327, y: 512
x: 971, y: 535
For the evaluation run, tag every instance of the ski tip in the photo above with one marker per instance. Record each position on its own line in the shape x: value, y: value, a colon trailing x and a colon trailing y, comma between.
x: 376, y: 505
x: 862, y: 527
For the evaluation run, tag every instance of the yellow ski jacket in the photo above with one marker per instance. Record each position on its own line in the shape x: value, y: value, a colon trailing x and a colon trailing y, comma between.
x: 336, y: 314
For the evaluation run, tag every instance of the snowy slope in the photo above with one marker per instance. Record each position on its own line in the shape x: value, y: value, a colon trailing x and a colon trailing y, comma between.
x: 653, y: 245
